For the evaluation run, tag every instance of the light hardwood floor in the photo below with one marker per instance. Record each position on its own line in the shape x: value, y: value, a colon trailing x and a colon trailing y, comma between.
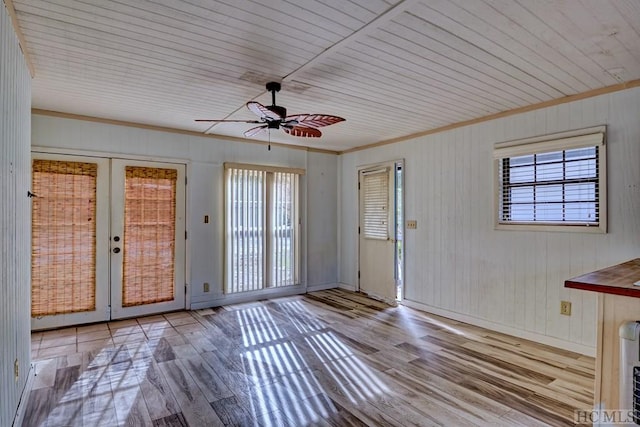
x: 327, y: 358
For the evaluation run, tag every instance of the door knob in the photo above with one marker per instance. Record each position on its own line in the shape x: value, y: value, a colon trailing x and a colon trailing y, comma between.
x: 116, y: 250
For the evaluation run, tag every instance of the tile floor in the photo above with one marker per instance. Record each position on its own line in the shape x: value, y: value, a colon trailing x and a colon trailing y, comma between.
x: 330, y: 358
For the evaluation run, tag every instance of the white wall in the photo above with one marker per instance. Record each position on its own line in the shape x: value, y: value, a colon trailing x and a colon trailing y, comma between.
x: 15, y: 223
x: 458, y: 265
x: 322, y: 173
x: 204, y: 158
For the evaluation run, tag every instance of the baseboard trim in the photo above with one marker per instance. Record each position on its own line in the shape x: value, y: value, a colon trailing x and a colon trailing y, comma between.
x: 24, y: 398
x: 321, y: 287
x: 532, y: 336
x: 347, y: 287
x: 250, y: 296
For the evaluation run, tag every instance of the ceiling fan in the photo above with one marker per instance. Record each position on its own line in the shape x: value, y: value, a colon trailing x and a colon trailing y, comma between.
x: 275, y: 117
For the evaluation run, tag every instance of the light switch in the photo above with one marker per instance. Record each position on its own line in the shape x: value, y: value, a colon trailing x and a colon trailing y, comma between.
x: 206, y: 219
x: 412, y: 224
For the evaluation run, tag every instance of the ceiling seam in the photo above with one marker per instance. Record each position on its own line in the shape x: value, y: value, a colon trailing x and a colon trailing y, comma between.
x: 367, y: 28
x: 388, y: 15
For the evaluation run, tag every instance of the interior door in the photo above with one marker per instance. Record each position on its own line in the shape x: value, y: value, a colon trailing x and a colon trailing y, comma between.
x: 377, y: 258
x: 69, y: 240
x: 147, y: 237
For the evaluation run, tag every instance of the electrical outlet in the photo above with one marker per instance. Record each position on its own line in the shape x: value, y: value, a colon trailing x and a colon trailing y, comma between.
x: 412, y: 224
x: 565, y: 308
x: 16, y: 369
x: 205, y: 287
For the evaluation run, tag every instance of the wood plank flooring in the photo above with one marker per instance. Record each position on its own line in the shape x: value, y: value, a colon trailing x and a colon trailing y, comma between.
x: 330, y: 358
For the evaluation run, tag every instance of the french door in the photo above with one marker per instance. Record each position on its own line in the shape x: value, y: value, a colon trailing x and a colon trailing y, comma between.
x: 107, y: 239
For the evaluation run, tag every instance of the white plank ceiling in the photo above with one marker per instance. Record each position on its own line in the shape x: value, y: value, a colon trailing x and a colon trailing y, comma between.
x: 391, y: 68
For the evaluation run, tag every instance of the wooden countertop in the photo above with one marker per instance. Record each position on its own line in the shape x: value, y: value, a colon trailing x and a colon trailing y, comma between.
x: 617, y: 279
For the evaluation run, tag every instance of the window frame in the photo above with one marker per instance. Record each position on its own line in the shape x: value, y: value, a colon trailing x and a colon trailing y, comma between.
x: 583, y: 138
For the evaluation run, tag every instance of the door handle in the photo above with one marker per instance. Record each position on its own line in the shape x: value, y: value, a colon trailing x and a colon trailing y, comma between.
x: 116, y: 250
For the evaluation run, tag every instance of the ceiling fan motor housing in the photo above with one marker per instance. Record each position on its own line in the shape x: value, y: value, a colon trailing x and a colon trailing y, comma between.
x: 281, y: 111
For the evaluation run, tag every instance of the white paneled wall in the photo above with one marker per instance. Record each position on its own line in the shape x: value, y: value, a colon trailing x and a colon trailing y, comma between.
x: 205, y: 193
x: 15, y: 214
x: 322, y: 176
x: 458, y: 265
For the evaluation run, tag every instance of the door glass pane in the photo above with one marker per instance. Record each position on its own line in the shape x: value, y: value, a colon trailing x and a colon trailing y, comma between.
x: 63, y: 274
x: 245, y: 229
x: 376, y: 205
x: 149, y: 235
x: 283, y: 230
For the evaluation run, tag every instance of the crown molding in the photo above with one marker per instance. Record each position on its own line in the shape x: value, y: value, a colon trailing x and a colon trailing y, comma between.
x: 519, y: 110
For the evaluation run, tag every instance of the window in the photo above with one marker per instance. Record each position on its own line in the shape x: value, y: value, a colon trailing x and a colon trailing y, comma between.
x: 262, y: 227
x: 376, y: 204
x: 555, y: 181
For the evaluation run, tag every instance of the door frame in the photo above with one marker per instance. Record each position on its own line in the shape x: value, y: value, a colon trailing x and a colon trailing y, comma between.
x: 391, y: 164
x: 42, y: 150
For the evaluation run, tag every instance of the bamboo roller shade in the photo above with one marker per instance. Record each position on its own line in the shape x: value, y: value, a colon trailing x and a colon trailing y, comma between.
x: 63, y: 237
x: 149, y: 235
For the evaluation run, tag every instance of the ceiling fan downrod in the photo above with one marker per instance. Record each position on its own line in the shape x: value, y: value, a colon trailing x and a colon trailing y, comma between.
x: 274, y: 87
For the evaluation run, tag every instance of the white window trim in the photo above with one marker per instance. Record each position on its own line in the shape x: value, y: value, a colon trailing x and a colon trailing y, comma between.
x: 589, y: 137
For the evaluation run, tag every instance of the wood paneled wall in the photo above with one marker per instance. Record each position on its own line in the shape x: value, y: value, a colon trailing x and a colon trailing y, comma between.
x: 15, y: 214
x: 205, y: 193
x: 459, y: 266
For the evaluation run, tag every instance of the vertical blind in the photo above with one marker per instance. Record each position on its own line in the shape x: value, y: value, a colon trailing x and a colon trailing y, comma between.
x: 376, y: 204
x: 261, y: 228
x: 285, y: 187
x: 149, y: 235
x: 63, y: 242
x: 245, y: 229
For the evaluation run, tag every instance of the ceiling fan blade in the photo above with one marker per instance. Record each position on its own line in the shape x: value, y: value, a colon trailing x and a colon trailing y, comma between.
x: 262, y: 111
x: 255, y: 131
x: 314, y: 120
x: 302, y: 131
x: 227, y: 121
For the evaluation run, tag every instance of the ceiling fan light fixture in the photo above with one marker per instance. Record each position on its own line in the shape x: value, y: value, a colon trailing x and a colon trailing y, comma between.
x: 275, y: 117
